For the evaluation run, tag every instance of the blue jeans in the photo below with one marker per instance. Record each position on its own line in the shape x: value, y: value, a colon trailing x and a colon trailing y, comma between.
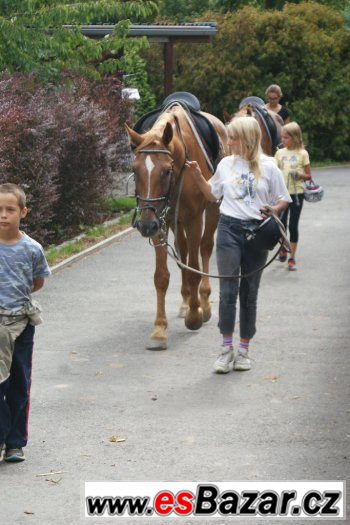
x: 15, y: 392
x: 234, y: 255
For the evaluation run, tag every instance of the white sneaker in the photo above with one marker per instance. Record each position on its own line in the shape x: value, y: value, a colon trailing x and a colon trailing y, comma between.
x: 223, y: 362
x: 242, y: 361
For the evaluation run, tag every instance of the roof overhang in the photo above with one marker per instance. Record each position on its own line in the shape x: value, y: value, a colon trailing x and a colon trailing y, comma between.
x: 194, y: 32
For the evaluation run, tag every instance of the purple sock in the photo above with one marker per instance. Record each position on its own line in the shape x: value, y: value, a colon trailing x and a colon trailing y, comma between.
x: 243, y: 346
x: 227, y: 341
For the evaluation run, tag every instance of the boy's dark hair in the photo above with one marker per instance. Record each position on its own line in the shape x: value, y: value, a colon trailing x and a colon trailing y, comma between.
x: 8, y: 187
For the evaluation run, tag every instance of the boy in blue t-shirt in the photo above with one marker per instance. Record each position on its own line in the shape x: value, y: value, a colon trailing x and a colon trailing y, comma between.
x: 23, y: 269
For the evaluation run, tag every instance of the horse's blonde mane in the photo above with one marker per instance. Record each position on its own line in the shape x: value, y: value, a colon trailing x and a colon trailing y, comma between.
x: 155, y: 134
x: 245, y: 111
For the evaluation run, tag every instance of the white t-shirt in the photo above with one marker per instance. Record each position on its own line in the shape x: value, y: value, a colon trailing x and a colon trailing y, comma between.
x: 242, y: 195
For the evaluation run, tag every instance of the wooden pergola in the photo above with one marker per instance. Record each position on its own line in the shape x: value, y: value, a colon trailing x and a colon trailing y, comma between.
x: 168, y: 35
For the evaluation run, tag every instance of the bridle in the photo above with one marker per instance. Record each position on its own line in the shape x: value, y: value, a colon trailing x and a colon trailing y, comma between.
x: 172, y: 194
x: 165, y: 198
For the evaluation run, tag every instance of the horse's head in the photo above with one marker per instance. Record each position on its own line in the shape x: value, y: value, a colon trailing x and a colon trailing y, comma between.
x: 153, y: 170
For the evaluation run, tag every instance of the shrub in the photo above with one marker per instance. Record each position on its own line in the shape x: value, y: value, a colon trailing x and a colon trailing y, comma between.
x: 83, y: 176
x: 59, y: 144
x: 29, y: 155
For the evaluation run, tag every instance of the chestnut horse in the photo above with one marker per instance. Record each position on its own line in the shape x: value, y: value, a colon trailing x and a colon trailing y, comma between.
x: 168, y: 197
x: 270, y: 123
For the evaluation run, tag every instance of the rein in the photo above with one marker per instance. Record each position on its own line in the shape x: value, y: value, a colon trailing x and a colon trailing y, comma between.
x: 283, y: 243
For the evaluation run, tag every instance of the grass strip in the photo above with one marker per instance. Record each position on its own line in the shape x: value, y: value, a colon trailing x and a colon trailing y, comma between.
x: 56, y: 254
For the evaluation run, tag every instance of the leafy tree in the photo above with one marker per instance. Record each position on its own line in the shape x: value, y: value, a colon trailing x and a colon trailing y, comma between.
x: 183, y: 10
x: 233, y: 5
x: 304, y: 48
x: 33, y: 37
x: 225, y: 6
x: 346, y: 14
x: 61, y: 110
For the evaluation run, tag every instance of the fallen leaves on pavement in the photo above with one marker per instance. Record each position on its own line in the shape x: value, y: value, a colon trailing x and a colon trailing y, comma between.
x: 116, y: 439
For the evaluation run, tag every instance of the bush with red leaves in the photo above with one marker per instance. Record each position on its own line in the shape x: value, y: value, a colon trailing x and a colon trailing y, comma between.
x: 29, y: 156
x: 60, y: 145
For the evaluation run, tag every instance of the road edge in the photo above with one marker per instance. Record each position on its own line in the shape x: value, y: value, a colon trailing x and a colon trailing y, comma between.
x: 90, y: 250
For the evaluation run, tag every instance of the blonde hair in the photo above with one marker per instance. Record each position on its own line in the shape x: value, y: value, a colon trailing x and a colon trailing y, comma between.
x: 8, y: 187
x: 293, y: 130
x: 247, y: 130
x: 274, y: 88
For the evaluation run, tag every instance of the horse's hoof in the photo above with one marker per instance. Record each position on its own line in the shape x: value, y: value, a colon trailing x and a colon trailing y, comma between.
x: 206, y: 315
x: 183, y: 311
x: 194, y: 320
x: 157, y: 344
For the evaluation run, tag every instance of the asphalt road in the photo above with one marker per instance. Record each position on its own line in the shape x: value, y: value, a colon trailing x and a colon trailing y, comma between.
x: 286, y: 419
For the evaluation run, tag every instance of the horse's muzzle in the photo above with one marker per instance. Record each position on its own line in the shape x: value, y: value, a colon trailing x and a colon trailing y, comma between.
x: 148, y: 228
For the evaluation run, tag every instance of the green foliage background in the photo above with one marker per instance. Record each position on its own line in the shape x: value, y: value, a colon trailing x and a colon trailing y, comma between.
x: 185, y: 10
x: 35, y: 41
x: 304, y: 48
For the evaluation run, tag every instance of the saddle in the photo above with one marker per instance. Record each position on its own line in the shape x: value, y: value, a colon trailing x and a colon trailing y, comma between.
x: 191, y: 105
x: 268, y: 122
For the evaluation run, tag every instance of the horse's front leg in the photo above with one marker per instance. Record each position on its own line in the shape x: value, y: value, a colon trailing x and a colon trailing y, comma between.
x: 182, y: 250
x: 206, y: 248
x: 194, y: 315
x: 158, y: 338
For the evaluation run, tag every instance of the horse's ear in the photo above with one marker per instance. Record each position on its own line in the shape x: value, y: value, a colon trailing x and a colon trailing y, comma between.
x: 134, y: 138
x: 227, y: 116
x: 167, y: 134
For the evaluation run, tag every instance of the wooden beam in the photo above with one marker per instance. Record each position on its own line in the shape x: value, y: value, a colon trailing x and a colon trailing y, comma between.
x: 168, y: 68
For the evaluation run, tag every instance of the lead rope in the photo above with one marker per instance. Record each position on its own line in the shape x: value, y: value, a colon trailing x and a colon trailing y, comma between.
x: 283, y: 243
x: 174, y: 256
x: 241, y: 276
